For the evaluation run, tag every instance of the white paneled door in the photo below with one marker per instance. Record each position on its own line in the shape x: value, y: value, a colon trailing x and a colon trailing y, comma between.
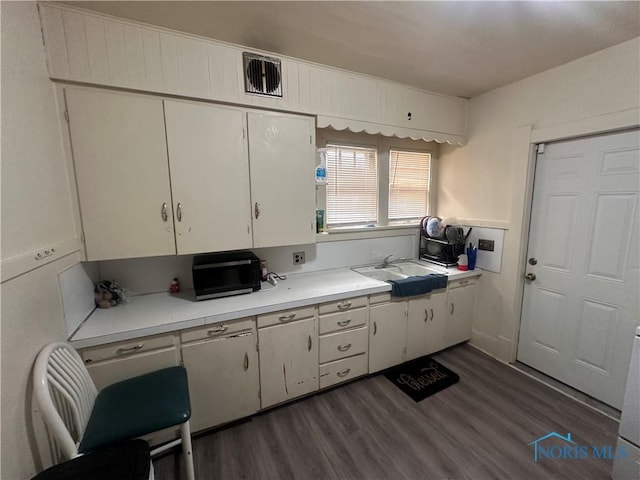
x: 580, y: 306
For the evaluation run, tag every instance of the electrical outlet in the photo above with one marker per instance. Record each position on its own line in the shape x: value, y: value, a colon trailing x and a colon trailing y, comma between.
x: 487, y: 245
x: 298, y: 258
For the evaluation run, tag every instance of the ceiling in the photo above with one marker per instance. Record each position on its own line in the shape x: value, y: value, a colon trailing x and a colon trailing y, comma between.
x: 461, y: 48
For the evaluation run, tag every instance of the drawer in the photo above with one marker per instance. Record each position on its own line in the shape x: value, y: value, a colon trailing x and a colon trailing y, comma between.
x: 343, y: 344
x: 121, y: 349
x: 216, y: 330
x: 343, y: 305
x: 334, y: 322
x: 462, y: 282
x: 343, y: 370
x: 285, y: 316
x: 379, y: 298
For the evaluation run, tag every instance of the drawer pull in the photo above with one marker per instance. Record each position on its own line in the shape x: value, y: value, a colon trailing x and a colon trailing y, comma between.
x: 287, y: 318
x: 344, y: 323
x: 344, y: 348
x: 125, y: 351
x: 217, y: 330
x: 463, y: 282
x: 344, y: 373
x: 246, y: 361
x: 344, y: 305
x: 238, y: 335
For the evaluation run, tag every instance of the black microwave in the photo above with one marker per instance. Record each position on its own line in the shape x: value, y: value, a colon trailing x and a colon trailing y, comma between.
x: 227, y: 273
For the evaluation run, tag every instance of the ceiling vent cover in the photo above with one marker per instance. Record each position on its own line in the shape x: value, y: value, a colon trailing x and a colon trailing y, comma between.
x: 262, y: 75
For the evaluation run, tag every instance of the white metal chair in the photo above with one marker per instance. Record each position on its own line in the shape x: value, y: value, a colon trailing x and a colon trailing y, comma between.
x: 82, y: 419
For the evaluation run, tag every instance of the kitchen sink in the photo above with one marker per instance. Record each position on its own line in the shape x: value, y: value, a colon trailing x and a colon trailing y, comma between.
x: 397, y: 271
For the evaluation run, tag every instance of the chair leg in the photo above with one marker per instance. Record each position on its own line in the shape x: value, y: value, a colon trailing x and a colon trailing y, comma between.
x: 185, y: 430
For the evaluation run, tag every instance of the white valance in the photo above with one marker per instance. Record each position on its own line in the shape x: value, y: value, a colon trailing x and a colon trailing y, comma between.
x: 388, y: 130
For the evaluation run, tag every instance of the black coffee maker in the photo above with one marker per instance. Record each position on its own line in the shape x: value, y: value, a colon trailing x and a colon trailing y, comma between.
x: 440, y: 242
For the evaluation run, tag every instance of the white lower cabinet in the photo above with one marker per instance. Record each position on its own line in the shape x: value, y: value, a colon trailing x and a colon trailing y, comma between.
x: 460, y: 300
x: 426, y: 323
x: 288, y: 357
x: 387, y: 335
x: 222, y: 367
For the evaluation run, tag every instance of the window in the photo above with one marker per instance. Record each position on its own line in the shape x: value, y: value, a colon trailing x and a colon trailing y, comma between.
x: 409, y: 179
x: 352, y: 185
x: 374, y: 180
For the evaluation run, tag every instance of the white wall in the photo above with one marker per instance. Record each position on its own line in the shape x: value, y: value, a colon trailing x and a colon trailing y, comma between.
x: 486, y: 179
x: 36, y: 212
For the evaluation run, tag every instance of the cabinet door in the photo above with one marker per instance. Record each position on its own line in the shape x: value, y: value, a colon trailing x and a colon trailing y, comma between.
x: 288, y: 361
x: 387, y: 335
x: 209, y: 177
x: 437, y: 306
x: 122, y: 173
x: 223, y: 379
x: 418, y: 316
x: 282, y: 157
x: 459, y: 323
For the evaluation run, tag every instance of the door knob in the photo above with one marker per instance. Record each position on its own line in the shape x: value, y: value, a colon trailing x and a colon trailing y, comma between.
x: 530, y: 276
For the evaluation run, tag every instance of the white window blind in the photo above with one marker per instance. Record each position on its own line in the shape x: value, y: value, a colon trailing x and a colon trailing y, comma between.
x: 409, y: 180
x: 352, y: 185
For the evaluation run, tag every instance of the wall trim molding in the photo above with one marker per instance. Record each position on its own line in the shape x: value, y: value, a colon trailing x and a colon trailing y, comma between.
x: 609, y: 122
x: 481, y: 222
x: 26, y: 262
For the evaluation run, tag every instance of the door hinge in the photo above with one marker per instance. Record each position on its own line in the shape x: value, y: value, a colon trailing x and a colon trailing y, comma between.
x: 257, y: 348
x: 82, y: 238
x: 311, y: 139
x: 66, y: 115
x: 540, y: 148
x: 244, y: 135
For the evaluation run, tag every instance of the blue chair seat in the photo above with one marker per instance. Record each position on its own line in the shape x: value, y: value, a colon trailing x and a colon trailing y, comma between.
x: 137, y: 406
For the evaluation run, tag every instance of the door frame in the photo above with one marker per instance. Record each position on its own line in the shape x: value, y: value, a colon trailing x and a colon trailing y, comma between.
x: 526, y: 143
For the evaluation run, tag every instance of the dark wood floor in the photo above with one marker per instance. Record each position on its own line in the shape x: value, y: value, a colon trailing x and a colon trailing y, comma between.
x: 369, y: 429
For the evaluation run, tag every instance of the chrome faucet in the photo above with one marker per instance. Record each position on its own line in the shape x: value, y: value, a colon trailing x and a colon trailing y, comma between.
x: 386, y: 262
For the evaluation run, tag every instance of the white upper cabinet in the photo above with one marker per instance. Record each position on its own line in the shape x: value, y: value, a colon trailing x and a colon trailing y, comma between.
x: 282, y: 152
x: 102, y: 50
x: 121, y: 167
x: 209, y: 177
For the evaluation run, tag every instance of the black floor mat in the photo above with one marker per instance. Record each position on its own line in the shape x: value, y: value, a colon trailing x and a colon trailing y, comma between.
x: 421, y: 377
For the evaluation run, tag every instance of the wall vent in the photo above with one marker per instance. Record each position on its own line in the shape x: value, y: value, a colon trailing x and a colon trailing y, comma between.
x: 262, y: 75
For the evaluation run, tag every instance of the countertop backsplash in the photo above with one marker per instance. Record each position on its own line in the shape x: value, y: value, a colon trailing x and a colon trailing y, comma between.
x: 154, y: 274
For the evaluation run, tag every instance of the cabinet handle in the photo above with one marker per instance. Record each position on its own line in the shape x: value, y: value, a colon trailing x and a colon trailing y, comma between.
x: 344, y: 305
x: 463, y: 282
x: 310, y: 343
x: 179, y: 212
x: 344, y: 323
x: 246, y: 361
x: 432, y: 314
x: 375, y: 328
x: 257, y: 209
x: 344, y: 373
x: 163, y: 212
x: 217, y: 330
x: 426, y: 315
x: 344, y: 348
x: 287, y: 318
x: 452, y: 308
x: 125, y: 351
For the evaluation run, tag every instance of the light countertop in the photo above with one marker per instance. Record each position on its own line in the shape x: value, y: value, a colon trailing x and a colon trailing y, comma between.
x: 158, y: 313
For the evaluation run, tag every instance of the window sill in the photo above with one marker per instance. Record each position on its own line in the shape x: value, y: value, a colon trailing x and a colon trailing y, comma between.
x: 356, y: 233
